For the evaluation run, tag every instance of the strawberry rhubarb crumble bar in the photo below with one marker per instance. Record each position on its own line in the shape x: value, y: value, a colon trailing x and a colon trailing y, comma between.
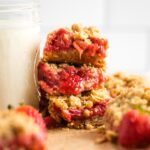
x: 81, y: 111
x: 78, y: 45
x: 68, y: 79
x: 85, y: 110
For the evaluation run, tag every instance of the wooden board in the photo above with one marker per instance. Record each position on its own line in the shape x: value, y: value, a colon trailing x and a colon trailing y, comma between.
x: 70, y: 139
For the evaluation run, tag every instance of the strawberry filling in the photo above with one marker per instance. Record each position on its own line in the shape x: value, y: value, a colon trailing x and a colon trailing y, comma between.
x: 68, y: 79
x: 63, y: 40
x: 72, y: 114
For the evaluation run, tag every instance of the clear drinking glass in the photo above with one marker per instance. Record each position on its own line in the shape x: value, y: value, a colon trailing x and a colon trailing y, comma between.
x: 19, y: 46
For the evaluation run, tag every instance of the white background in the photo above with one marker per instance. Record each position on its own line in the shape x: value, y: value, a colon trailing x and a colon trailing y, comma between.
x: 126, y: 24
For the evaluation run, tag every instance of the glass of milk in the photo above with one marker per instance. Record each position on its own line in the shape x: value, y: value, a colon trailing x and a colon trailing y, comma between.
x: 19, y: 46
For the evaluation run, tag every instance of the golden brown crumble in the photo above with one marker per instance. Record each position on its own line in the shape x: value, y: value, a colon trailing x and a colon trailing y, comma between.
x: 88, y: 124
x: 129, y: 92
x: 119, y: 82
x: 81, y: 33
x: 84, y: 33
x: 79, y: 101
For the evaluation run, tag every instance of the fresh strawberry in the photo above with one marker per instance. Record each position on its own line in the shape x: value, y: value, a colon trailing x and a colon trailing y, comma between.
x: 32, y: 112
x: 134, y: 129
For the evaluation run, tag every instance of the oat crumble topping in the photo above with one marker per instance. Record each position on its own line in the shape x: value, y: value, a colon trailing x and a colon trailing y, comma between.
x: 129, y: 92
x: 13, y: 123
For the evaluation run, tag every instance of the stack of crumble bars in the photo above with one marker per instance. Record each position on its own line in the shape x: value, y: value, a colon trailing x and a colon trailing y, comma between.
x: 71, y: 77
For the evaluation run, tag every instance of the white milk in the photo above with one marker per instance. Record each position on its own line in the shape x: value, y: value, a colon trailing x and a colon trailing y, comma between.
x: 18, y: 49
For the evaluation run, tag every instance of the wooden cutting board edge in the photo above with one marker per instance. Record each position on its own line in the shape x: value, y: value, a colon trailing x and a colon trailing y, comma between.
x: 71, y: 139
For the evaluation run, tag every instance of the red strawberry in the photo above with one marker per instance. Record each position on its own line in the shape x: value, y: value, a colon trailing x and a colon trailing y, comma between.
x: 32, y: 112
x: 134, y: 129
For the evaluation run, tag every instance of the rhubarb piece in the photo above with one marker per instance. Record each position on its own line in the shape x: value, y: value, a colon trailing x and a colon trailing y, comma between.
x: 78, y: 45
x: 19, y: 131
x: 80, y: 108
x: 65, y: 79
x: 134, y: 130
